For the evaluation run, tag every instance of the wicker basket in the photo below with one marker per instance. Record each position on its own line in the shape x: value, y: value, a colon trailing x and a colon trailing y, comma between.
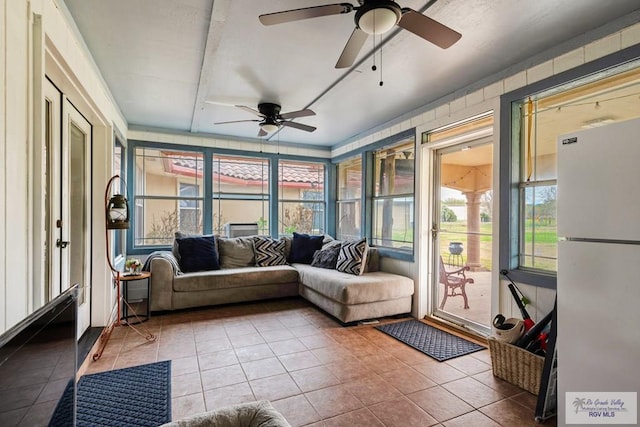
x: 516, y: 365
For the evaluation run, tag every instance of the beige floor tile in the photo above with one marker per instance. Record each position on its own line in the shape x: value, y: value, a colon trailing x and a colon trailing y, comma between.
x: 217, y: 360
x: 314, y: 378
x: 358, y: 418
x: 407, y: 380
x: 297, y: 410
x: 245, y: 340
x: 439, y: 403
x: 220, y: 377
x: 185, y: 406
x: 234, y: 394
x: 509, y: 413
x: 277, y: 335
x: 274, y: 387
x: 292, y: 345
x: 469, y: 364
x: 401, y: 412
x: 372, y: 389
x: 263, y: 368
x: 473, y: 392
x: 184, y: 365
x: 332, y: 401
x: 475, y: 419
x: 297, y: 361
x: 254, y: 352
x: 184, y: 385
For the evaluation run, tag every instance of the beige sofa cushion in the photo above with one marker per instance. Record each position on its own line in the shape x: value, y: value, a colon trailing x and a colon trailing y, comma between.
x: 234, y: 278
x: 236, y: 252
x: 349, y: 289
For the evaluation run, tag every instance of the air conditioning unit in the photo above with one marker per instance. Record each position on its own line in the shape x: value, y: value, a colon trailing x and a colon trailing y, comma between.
x: 237, y: 229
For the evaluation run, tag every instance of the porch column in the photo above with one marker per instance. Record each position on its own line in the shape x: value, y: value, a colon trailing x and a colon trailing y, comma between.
x: 473, y: 228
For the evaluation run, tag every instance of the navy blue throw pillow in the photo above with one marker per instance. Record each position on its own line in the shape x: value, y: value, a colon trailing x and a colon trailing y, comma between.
x: 198, y: 254
x: 303, y: 246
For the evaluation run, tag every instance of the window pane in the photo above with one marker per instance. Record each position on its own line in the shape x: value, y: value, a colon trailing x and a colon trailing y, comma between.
x: 301, y: 217
x: 240, y: 175
x: 156, y: 221
x: 350, y: 179
x: 538, y: 236
x: 394, y: 170
x: 240, y: 211
x: 301, y: 181
x: 349, y: 226
x: 163, y: 170
x: 393, y: 223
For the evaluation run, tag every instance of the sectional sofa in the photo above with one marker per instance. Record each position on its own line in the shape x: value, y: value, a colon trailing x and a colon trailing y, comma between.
x: 347, y: 296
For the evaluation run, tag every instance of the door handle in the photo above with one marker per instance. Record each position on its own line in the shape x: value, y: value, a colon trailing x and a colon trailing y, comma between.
x: 61, y: 244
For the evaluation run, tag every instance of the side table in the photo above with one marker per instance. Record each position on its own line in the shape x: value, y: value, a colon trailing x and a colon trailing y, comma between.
x: 137, y: 300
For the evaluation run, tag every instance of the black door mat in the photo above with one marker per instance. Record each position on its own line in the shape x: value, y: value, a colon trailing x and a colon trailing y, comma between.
x: 431, y: 341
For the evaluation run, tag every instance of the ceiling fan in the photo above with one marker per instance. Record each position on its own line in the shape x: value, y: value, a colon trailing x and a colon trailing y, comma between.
x: 271, y: 119
x: 373, y: 17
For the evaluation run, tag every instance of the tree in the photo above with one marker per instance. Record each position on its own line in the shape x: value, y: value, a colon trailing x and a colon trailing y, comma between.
x: 447, y: 215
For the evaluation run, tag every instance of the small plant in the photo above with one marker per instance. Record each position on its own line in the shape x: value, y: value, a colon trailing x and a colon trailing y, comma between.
x: 132, y: 264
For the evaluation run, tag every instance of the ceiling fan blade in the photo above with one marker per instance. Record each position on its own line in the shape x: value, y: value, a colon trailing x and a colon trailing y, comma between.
x: 352, y: 48
x: 262, y: 133
x: 251, y: 110
x: 298, y: 126
x: 236, y: 121
x: 430, y: 30
x: 305, y: 13
x: 295, y: 114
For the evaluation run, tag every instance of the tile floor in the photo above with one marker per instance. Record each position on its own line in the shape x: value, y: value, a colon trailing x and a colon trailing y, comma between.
x: 314, y: 371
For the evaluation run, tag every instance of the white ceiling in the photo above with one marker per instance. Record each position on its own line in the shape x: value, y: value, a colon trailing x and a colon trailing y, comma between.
x: 163, y: 59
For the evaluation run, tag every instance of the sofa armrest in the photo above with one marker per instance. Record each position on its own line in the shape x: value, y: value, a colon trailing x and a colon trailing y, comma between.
x: 162, y: 275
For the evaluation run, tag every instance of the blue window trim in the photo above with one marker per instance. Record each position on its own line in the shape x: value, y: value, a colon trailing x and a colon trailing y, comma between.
x: 208, y: 154
x: 510, y: 158
x: 368, y: 167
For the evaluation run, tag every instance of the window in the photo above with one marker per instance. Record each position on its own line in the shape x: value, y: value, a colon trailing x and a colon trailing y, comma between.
x: 538, y: 115
x: 393, y: 196
x: 349, y: 198
x: 240, y: 192
x: 168, y: 195
x: 302, y: 199
x: 188, y: 218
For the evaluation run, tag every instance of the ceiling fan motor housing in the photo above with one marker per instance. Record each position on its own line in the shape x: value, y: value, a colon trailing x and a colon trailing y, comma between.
x: 378, y: 16
x: 269, y: 109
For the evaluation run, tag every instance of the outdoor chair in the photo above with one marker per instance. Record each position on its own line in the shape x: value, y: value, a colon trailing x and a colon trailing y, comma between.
x: 454, y: 282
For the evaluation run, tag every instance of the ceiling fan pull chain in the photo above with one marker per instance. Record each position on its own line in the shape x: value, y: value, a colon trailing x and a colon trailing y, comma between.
x: 373, y: 67
x: 381, y: 82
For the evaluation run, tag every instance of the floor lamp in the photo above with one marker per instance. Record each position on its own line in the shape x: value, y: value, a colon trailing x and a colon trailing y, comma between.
x: 116, y: 218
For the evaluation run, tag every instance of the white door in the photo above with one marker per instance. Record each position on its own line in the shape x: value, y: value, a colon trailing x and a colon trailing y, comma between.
x: 462, y: 233
x: 68, y: 136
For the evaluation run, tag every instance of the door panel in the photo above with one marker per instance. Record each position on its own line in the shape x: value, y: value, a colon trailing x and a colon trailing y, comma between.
x: 53, y: 183
x: 463, y: 237
x: 75, y: 240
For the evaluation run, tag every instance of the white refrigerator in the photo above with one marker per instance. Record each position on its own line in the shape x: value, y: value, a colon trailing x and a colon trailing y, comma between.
x: 598, y: 290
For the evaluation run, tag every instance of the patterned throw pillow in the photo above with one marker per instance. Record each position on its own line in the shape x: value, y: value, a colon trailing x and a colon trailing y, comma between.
x: 326, y: 258
x: 269, y: 251
x: 352, y: 257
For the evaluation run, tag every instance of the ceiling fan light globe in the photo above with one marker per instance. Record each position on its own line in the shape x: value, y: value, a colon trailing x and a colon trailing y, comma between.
x: 378, y: 20
x: 269, y: 127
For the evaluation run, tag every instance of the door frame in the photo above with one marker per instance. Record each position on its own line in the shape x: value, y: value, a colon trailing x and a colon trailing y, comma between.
x: 425, y: 200
x: 56, y: 69
x: 474, y: 140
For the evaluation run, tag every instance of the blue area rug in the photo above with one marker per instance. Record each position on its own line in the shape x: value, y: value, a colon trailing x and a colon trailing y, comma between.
x: 431, y: 341
x: 139, y: 396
